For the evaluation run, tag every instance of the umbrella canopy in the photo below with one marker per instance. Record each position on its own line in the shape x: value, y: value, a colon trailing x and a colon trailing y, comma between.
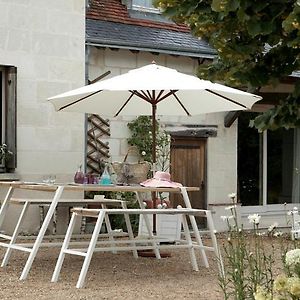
x: 153, y: 90
x: 166, y: 90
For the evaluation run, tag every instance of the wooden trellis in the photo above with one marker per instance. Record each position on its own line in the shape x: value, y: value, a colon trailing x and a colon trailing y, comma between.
x: 97, y: 150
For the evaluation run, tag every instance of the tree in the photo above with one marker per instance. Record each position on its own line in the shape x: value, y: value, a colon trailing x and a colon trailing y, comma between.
x: 257, y: 44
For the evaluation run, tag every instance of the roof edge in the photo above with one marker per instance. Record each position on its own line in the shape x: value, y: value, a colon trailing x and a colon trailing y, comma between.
x: 96, y: 43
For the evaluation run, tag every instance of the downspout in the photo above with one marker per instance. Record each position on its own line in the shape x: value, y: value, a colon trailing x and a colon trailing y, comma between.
x: 87, y: 54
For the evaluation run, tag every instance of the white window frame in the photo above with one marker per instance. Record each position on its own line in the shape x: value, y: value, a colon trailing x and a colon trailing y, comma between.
x: 138, y: 7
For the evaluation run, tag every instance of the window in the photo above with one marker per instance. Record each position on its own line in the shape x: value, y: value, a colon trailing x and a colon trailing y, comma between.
x: 8, y: 83
x: 144, y: 5
x: 141, y: 5
x: 267, y: 164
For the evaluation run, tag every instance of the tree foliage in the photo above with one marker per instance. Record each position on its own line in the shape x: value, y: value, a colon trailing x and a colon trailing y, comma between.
x: 257, y: 43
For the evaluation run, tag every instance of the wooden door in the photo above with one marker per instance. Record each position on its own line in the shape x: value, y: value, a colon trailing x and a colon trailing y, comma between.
x: 188, y: 167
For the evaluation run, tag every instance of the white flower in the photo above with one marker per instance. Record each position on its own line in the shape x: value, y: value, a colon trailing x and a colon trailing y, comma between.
x: 295, y: 208
x: 179, y: 206
x: 225, y: 218
x: 255, y: 218
x: 159, y: 206
x: 292, y: 257
x: 230, y: 207
x: 164, y: 205
x: 144, y: 153
x: 145, y: 204
x: 278, y: 233
x: 292, y: 212
x: 232, y: 195
x: 273, y: 226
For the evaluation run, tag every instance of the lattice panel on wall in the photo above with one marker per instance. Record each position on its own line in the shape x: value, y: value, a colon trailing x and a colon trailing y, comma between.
x: 97, y: 150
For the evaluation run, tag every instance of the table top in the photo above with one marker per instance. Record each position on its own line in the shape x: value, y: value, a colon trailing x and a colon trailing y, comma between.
x: 90, y: 187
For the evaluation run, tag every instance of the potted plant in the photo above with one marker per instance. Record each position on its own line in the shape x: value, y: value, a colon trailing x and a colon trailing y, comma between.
x: 5, y: 156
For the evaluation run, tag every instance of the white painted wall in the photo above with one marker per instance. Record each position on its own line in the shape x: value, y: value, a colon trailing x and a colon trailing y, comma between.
x: 221, y: 150
x: 45, y: 40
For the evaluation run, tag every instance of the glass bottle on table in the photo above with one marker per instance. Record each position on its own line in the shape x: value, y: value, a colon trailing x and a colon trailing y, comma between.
x: 105, y: 177
x: 79, y: 176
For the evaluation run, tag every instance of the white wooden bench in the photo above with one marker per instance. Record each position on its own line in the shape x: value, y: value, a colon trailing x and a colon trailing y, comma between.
x: 26, y: 202
x: 153, y: 243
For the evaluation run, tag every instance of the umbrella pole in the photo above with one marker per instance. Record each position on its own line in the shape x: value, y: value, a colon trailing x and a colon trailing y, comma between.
x: 153, y: 194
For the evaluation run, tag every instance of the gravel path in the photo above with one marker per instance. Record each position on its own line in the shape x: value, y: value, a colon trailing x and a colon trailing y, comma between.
x: 110, y: 276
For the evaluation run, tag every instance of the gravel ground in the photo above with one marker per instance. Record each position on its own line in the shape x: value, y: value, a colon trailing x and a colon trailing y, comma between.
x: 110, y: 276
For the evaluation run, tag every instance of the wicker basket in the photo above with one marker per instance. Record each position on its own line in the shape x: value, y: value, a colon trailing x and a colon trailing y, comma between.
x: 131, y: 173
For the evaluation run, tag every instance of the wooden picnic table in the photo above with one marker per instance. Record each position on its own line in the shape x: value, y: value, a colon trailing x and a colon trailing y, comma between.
x: 57, y: 191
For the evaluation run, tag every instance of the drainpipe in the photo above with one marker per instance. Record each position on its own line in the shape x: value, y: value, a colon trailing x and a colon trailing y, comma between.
x: 87, y: 52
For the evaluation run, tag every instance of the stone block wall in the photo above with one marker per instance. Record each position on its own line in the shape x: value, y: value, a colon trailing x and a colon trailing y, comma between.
x: 45, y: 41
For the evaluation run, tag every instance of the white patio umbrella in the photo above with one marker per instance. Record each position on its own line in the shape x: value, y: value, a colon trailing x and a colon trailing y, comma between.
x: 153, y: 90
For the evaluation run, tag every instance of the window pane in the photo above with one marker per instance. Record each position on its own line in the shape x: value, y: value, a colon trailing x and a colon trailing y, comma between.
x: 280, y: 166
x: 143, y: 3
x: 1, y: 106
x: 249, y: 161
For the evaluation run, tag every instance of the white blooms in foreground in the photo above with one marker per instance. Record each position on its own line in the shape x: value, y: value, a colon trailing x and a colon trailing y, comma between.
x: 278, y: 233
x: 254, y: 219
x: 292, y: 257
x: 230, y: 207
x: 144, y: 153
x: 225, y: 218
x: 292, y: 212
x: 232, y: 195
x: 273, y: 226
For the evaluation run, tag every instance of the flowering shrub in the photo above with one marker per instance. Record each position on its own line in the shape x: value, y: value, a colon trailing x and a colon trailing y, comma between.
x: 141, y: 137
x: 249, y: 263
x: 248, y: 266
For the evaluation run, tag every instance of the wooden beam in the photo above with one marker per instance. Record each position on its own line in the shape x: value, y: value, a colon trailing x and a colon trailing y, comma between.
x: 231, y: 117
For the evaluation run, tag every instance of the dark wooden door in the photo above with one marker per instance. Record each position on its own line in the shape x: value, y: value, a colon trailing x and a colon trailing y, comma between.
x: 188, y: 167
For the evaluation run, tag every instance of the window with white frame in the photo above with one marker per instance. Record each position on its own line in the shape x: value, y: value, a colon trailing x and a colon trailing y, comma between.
x: 268, y: 164
x: 141, y: 5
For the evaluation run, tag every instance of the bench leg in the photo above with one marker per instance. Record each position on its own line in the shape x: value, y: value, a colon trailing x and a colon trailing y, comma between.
x: 150, y: 233
x: 5, y: 204
x: 15, y: 233
x: 63, y: 248
x: 195, y: 227
x: 108, y: 228
x: 90, y: 250
x: 190, y: 243
x: 129, y: 230
x: 41, y: 234
x: 213, y: 237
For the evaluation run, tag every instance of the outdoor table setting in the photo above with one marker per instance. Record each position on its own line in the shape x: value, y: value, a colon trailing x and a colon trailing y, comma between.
x: 57, y: 190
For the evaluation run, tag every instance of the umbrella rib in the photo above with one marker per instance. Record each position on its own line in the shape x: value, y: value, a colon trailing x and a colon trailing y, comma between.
x: 74, y: 102
x: 183, y: 107
x: 143, y: 96
x: 166, y: 95
x: 226, y: 98
x: 124, y: 104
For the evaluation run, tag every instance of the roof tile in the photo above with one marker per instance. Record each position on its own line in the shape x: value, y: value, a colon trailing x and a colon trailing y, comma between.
x: 115, y: 11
